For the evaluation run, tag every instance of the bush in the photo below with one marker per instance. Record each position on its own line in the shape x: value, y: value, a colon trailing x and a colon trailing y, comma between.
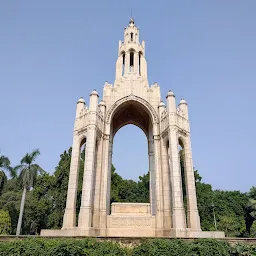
x: 162, y: 247
x: 210, y: 247
x: 149, y: 247
x: 59, y: 247
x: 203, y: 247
x: 244, y: 249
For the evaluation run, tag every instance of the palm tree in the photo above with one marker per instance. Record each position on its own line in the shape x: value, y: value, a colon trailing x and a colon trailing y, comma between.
x: 5, y: 166
x: 28, y: 175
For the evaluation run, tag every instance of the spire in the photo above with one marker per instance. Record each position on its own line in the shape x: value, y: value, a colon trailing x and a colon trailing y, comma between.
x: 131, y: 21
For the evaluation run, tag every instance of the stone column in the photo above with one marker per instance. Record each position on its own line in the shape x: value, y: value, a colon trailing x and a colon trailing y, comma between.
x: 166, y: 186
x: 192, y: 212
x: 178, y: 212
x: 110, y: 153
x: 97, y: 182
x: 152, y: 177
x: 69, y: 220
x: 136, y: 63
x: 159, y: 195
x: 127, y: 63
x: 104, y: 185
x: 85, y: 215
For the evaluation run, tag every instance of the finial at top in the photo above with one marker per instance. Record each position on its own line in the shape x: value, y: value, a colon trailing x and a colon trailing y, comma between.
x: 182, y: 101
x: 131, y: 20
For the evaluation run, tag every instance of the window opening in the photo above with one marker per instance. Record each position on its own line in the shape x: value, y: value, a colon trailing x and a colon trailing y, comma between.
x: 183, y: 175
x: 131, y: 61
x: 139, y: 63
x: 123, y: 65
x: 81, y: 161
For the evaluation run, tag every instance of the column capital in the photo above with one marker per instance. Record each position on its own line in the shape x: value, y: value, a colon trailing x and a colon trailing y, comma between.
x: 91, y: 127
x: 106, y: 136
x: 156, y: 137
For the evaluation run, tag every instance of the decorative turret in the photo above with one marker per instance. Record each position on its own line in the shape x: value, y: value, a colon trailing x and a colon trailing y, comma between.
x: 131, y: 54
x: 102, y: 107
x: 183, y: 106
x: 94, y: 100
x: 161, y: 108
x: 80, y: 106
x: 171, y: 104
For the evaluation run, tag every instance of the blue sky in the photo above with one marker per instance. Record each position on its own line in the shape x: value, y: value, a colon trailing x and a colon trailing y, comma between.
x: 53, y: 52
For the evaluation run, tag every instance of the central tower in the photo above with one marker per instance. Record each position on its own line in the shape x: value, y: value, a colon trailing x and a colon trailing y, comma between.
x: 131, y: 63
x: 130, y: 100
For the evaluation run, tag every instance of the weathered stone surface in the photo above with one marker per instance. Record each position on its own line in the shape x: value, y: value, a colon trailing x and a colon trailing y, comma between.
x: 133, y: 209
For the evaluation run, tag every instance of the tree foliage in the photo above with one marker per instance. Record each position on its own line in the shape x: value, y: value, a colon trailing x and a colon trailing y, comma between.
x: 230, y: 208
x: 27, y: 177
x: 148, y: 247
x: 5, y: 166
x: 129, y: 190
x: 5, y: 223
x: 45, y: 203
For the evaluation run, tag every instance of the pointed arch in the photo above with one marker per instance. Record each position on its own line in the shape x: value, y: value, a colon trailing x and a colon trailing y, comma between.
x: 152, y: 113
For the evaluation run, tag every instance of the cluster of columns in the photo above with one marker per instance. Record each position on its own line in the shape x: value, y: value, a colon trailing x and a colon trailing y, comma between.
x: 179, y: 219
x: 166, y: 194
x: 131, y: 62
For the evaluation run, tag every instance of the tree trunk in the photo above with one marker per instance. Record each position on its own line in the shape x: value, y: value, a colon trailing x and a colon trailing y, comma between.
x: 21, y: 211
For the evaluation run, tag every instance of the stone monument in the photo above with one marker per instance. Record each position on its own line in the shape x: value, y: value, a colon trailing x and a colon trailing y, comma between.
x: 130, y: 100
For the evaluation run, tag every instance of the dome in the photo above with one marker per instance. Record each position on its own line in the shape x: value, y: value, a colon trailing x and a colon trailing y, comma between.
x: 183, y: 101
x: 170, y: 93
x: 81, y: 100
x: 161, y: 104
x: 94, y: 92
x: 102, y: 103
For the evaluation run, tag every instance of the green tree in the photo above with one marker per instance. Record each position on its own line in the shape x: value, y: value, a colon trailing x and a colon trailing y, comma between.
x: 28, y: 175
x: 205, y: 201
x: 252, y: 202
x: 10, y: 201
x: 123, y: 190
x: 5, y: 166
x: 39, y: 205
x: 232, y: 225
x: 5, y: 223
x: 48, y: 198
x: 143, y: 187
x: 253, y: 230
x: 230, y: 208
x: 251, y: 211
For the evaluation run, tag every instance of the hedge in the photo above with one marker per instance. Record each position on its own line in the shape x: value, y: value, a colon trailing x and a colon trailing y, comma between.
x: 149, y: 247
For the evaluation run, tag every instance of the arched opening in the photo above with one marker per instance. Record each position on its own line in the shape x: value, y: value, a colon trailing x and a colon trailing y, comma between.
x: 135, y: 113
x: 131, y: 61
x: 123, y: 64
x: 183, y: 172
x: 131, y: 37
x: 80, y: 176
x: 140, y: 54
x: 130, y: 177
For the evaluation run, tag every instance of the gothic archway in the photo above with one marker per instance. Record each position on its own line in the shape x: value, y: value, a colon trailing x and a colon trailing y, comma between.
x: 129, y: 99
x: 136, y: 111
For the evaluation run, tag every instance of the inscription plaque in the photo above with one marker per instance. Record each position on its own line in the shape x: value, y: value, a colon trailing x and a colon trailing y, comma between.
x: 129, y: 222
